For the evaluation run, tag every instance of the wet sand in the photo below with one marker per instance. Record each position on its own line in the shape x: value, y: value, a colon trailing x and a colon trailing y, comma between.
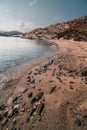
x: 51, y: 95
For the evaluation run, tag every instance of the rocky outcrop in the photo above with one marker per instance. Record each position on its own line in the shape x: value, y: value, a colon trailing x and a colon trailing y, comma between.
x: 75, y: 29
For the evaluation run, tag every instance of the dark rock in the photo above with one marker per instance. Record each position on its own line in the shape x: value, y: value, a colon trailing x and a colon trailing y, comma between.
x: 37, y: 97
x: 52, y: 89
x: 1, y: 116
x: 15, y: 111
x: 45, y: 66
x: 60, y: 80
x: 53, y: 73
x: 15, y: 99
x: 71, y: 87
x: 30, y: 94
x: 39, y: 81
x: 78, y: 122
x: 30, y: 73
x: 27, y: 120
x: 31, y: 111
x: 32, y: 81
x: 85, y: 80
x: 33, y: 100
x: 85, y: 116
x: 51, y: 81
x: 84, y: 73
x: 40, y: 108
x: 5, y: 113
x: 50, y: 62
x: 10, y: 113
x: 14, y: 121
x: 13, y: 129
x: 25, y: 90
x: 19, y: 96
x: 2, y: 107
x: 28, y: 77
x: 4, y: 121
x: 71, y: 82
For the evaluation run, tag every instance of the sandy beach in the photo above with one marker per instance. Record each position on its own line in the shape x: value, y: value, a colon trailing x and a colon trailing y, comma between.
x: 51, y: 95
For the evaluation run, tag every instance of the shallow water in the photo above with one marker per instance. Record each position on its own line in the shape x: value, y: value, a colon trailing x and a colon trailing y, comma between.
x: 16, y: 51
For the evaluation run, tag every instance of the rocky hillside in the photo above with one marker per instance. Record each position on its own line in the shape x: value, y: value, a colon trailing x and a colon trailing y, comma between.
x: 75, y: 29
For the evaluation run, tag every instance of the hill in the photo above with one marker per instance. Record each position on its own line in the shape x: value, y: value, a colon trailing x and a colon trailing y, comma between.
x: 75, y: 29
x: 9, y: 33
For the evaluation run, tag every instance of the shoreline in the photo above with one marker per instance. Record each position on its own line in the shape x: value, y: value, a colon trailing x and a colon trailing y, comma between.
x: 54, y: 85
x: 16, y: 73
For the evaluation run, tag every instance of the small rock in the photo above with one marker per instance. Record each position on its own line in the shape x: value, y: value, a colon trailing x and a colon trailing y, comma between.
x: 85, y: 116
x: 32, y: 81
x: 14, y: 121
x: 37, y: 97
x: 10, y: 113
x: 5, y: 113
x: 30, y: 73
x: 27, y: 120
x: 51, y: 81
x: 78, y: 122
x: 25, y: 90
x: 30, y: 94
x: 71, y: 82
x: 71, y: 87
x: 2, y: 107
x: 52, y: 89
x: 19, y: 96
x: 15, y: 111
x: 33, y: 100
x: 4, y: 121
x: 53, y: 73
x: 15, y: 99
x: 31, y: 111
x: 22, y: 110
x: 60, y: 80
x: 84, y: 73
x: 40, y: 108
x: 1, y: 116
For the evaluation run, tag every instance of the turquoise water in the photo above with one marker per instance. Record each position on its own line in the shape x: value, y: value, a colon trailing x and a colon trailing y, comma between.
x: 16, y: 51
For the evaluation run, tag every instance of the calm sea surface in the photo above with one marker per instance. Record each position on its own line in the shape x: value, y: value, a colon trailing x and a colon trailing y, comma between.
x: 16, y: 51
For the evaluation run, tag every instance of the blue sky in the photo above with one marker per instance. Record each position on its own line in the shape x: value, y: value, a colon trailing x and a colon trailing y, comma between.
x: 25, y: 15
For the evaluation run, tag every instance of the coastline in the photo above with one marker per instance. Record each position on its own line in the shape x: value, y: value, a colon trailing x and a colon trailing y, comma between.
x: 59, y: 77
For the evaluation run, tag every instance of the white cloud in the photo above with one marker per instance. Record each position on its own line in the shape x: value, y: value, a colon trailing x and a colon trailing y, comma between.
x: 55, y: 18
x: 18, y: 26
x: 31, y: 3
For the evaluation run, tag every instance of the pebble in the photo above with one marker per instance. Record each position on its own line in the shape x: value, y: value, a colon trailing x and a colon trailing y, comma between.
x: 85, y: 116
x: 40, y: 108
x: 2, y: 107
x: 5, y: 113
x: 30, y: 73
x: 4, y: 121
x: 37, y: 97
x: 31, y: 111
x: 27, y: 120
x: 22, y: 110
x: 52, y: 89
x: 32, y: 81
x: 78, y: 122
x: 10, y: 113
x: 25, y: 90
x: 15, y: 99
x: 30, y: 94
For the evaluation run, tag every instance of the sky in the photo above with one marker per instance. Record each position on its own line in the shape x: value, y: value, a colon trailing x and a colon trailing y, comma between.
x: 26, y: 15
